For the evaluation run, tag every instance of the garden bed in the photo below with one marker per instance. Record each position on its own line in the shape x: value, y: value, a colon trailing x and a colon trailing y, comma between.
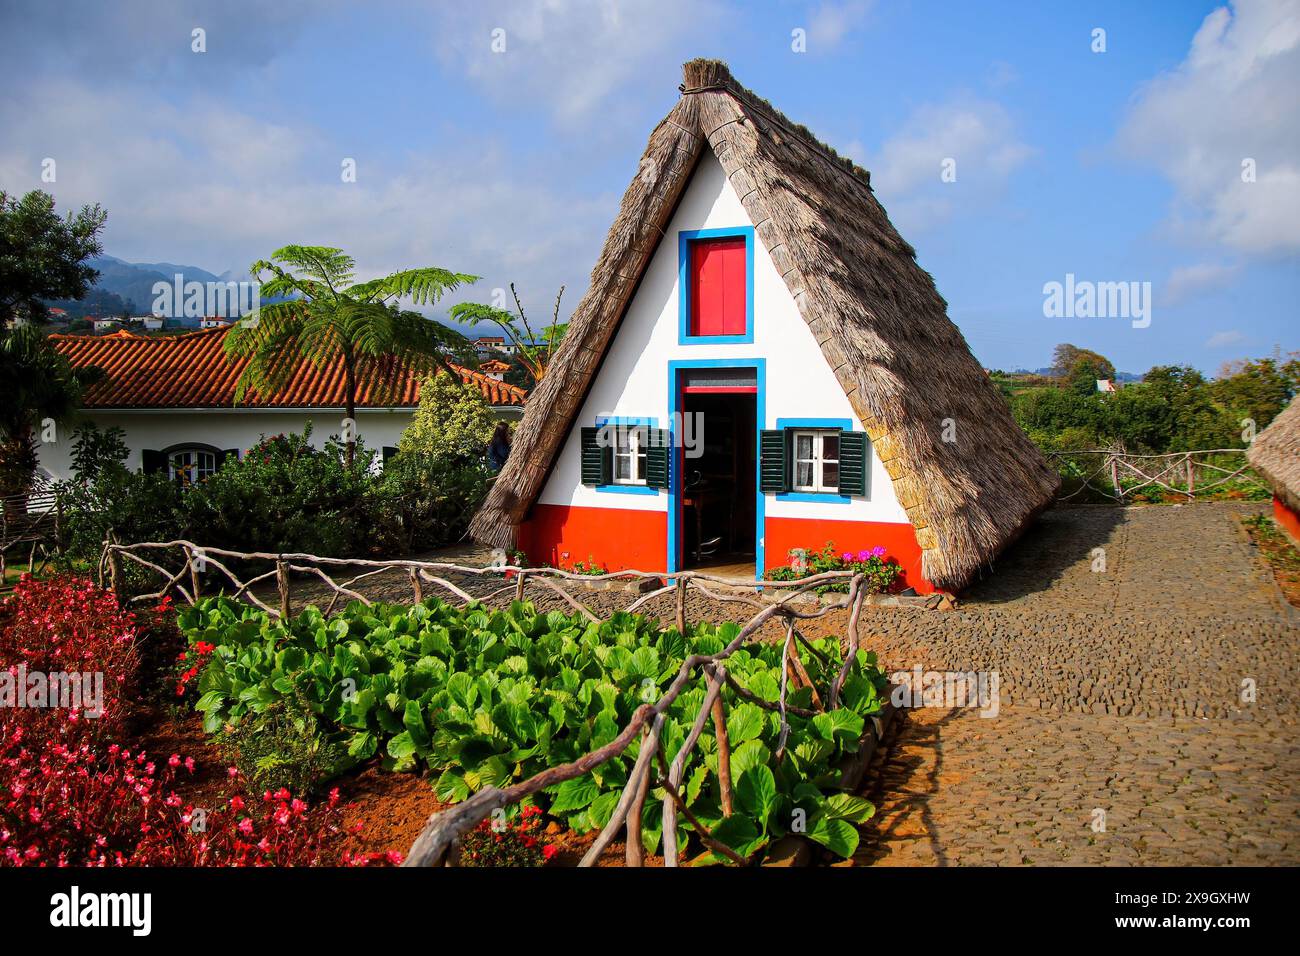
x: 485, y: 699
x: 1278, y: 552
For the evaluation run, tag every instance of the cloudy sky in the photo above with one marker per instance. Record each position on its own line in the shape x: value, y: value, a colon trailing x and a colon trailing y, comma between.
x: 1170, y: 157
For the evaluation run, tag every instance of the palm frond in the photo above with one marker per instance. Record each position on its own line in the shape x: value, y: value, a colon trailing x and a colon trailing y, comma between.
x: 271, y: 363
x: 423, y: 286
x: 330, y: 266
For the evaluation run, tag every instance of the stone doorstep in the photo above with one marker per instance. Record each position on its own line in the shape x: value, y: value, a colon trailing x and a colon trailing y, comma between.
x: 927, y: 601
x: 635, y: 586
x: 795, y: 850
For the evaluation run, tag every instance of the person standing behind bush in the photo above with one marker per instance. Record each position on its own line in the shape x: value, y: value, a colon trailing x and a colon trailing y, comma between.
x: 499, y: 447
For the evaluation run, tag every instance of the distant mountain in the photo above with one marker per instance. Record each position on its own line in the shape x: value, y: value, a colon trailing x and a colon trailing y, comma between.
x: 134, y: 281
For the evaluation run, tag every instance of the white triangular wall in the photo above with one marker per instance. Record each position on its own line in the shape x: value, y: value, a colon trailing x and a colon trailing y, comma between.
x: 633, y: 379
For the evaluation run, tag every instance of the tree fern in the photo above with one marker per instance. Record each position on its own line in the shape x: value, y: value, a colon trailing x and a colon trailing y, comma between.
x: 325, y: 318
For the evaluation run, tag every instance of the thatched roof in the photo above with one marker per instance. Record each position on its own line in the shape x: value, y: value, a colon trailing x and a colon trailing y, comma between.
x: 881, y: 324
x: 1275, y: 454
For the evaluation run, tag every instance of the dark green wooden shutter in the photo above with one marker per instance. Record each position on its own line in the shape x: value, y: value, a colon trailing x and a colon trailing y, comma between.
x: 773, y: 467
x: 597, y: 461
x: 388, y: 452
x: 229, y: 454
x: 658, y: 456
x: 853, y: 463
x: 152, y: 461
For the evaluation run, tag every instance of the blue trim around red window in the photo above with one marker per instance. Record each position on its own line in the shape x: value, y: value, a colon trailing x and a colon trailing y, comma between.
x: 684, y: 239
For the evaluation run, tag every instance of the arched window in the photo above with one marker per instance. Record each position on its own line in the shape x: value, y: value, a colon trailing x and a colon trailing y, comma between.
x: 191, y: 465
x: 186, y: 462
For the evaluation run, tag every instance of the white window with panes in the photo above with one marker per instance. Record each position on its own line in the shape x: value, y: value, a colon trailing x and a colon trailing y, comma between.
x: 191, y: 465
x: 629, y: 457
x: 816, y: 458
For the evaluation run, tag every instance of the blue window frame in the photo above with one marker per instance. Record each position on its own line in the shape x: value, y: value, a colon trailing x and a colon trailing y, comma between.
x: 625, y: 489
x: 684, y: 239
x: 824, y: 498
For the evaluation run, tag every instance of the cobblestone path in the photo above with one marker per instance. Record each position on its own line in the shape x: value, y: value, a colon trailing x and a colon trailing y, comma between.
x: 1120, y: 691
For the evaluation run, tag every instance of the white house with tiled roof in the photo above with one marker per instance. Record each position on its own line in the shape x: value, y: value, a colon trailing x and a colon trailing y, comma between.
x: 173, y: 396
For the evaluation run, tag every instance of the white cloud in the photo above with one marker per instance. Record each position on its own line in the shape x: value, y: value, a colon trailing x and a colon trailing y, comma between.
x: 1232, y: 99
x: 977, y: 135
x: 204, y: 184
x: 1186, y: 281
x: 1222, y: 340
x: 830, y: 23
x: 573, y: 56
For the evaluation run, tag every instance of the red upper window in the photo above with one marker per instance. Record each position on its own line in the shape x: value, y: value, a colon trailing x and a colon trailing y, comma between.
x: 718, y: 286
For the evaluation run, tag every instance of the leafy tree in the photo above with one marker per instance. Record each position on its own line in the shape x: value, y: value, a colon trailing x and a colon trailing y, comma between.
x: 1081, y: 368
x: 328, y: 318
x: 1063, y: 357
x: 1257, y: 389
x: 453, y: 423
x: 534, y: 352
x: 95, y: 451
x: 40, y: 385
x: 43, y: 256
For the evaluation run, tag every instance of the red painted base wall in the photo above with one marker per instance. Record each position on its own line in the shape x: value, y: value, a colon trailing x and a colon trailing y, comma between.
x: 1287, y: 518
x: 898, y: 540
x: 618, y: 539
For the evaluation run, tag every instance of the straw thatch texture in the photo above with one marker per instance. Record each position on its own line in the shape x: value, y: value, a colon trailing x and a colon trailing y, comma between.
x: 1275, y: 454
x: 881, y: 325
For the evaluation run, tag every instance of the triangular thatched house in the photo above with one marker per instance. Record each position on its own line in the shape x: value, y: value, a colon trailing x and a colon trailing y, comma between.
x: 1275, y: 454
x: 760, y: 365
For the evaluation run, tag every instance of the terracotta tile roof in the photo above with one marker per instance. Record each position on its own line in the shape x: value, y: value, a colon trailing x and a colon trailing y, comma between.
x: 191, y: 370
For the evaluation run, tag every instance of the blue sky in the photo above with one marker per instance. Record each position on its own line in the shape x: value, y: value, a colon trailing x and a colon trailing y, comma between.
x: 1122, y: 165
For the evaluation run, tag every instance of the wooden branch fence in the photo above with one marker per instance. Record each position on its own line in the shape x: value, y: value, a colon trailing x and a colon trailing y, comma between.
x: 651, y: 770
x: 1120, y: 476
x: 31, y: 524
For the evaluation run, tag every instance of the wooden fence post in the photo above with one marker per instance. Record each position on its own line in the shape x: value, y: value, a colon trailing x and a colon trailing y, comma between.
x: 519, y: 586
x: 681, y: 604
x: 1114, y: 477
x: 114, y: 572
x: 1191, y: 477
x: 724, y: 754
x: 416, y: 587
x: 282, y: 579
x: 195, y: 581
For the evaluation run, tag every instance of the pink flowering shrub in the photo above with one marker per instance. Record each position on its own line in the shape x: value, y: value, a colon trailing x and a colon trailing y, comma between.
x: 881, y: 574
x: 507, y: 844
x: 67, y: 625
x: 71, y: 796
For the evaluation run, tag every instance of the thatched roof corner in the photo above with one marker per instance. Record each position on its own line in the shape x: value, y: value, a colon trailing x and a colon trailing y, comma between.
x: 1275, y: 454
x: 882, y: 326
x: 704, y: 74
